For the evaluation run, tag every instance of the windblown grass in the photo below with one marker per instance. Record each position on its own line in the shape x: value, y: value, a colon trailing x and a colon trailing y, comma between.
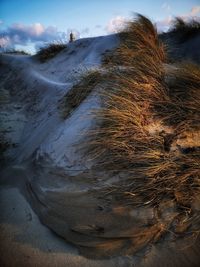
x: 181, y: 109
x: 184, y: 30
x: 50, y: 51
x: 139, y: 37
x: 148, y: 109
x: 79, y: 93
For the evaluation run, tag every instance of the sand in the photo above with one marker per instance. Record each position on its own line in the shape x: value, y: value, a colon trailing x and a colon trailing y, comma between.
x: 26, y: 242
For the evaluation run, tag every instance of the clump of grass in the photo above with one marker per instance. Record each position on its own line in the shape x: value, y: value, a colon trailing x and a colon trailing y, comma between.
x: 15, y: 51
x: 184, y: 30
x: 50, y: 51
x: 79, y: 92
x: 147, y: 109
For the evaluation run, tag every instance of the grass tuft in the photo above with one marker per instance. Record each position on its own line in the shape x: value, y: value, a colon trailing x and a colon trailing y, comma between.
x: 50, y: 51
x: 79, y: 92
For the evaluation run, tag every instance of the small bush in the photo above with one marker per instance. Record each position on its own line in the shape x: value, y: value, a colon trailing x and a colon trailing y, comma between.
x: 50, y: 51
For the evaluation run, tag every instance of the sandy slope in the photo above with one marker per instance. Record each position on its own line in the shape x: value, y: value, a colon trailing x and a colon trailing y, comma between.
x: 30, y: 120
x: 36, y: 89
x: 26, y: 242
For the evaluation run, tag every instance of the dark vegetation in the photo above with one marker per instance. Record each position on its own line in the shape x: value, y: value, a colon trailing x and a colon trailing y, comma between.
x: 182, y: 41
x: 50, y: 51
x: 17, y: 52
x: 184, y: 30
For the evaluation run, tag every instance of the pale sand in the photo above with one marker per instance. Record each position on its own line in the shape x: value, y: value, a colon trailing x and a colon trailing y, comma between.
x: 26, y: 242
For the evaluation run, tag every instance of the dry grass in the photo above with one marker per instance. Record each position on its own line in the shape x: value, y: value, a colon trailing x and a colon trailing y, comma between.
x: 139, y: 37
x: 182, y: 106
x: 50, y: 51
x: 79, y: 93
x: 147, y: 109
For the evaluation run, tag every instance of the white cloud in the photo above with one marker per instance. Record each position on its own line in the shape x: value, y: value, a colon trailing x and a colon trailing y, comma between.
x: 19, y: 34
x: 5, y: 42
x: 195, y: 10
x: 163, y: 25
x: 116, y: 24
x: 37, y: 29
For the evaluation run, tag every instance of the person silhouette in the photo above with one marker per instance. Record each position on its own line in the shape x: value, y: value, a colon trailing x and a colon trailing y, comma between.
x: 71, y: 37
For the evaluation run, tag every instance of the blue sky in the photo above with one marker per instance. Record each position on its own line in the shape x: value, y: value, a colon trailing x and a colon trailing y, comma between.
x: 28, y: 24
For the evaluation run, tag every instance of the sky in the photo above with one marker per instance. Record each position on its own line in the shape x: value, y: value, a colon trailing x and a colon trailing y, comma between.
x: 30, y: 24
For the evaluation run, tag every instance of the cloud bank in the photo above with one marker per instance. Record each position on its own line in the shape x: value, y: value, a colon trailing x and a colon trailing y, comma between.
x: 20, y: 34
x: 37, y: 34
x: 115, y: 24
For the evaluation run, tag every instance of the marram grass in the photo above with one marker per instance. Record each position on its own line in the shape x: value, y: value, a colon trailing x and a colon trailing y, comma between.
x: 149, y: 119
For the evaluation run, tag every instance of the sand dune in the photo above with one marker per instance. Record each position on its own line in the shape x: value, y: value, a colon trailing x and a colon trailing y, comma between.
x: 51, y: 198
